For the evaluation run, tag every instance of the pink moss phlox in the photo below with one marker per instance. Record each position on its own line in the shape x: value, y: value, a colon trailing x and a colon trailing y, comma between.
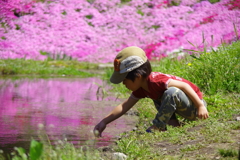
x: 95, y: 31
x: 233, y: 4
x: 150, y: 49
x: 12, y: 9
x: 208, y: 19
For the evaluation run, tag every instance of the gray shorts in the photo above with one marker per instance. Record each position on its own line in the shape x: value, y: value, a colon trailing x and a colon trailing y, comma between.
x: 174, y: 101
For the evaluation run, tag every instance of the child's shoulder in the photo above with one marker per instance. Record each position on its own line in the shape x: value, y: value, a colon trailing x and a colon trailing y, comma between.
x: 159, y: 74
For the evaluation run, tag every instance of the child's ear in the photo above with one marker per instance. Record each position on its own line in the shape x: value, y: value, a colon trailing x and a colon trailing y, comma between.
x: 139, y: 75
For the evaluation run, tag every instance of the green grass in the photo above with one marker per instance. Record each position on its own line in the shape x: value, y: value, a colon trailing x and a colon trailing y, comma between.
x: 220, y: 129
x: 216, y: 73
x: 228, y: 153
x: 45, y: 68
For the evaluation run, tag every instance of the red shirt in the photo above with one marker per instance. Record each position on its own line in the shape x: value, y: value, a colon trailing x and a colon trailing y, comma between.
x: 157, y: 84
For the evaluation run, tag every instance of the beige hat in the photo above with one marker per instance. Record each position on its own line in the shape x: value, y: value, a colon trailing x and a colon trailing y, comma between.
x: 127, y: 60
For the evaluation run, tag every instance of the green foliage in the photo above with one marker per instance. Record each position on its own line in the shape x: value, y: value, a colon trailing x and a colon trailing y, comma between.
x: 217, y: 70
x: 90, y: 1
x: 155, y: 27
x: 17, y: 27
x: 135, y: 147
x: 89, y: 16
x: 174, y: 3
x: 63, y: 150
x: 228, y: 152
x: 171, y: 66
x: 66, y: 151
x: 214, y: 1
x: 140, y: 12
x: 45, y: 68
x: 51, y: 57
x: 64, y: 13
x: 36, y: 149
x: 150, y: 110
x: 213, y: 72
x: 21, y: 154
x: 125, y: 1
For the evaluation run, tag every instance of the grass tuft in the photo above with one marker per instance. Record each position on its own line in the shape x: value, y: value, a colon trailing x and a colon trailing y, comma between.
x: 228, y: 152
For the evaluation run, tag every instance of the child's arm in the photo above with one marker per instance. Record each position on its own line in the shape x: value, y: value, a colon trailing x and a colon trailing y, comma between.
x: 187, y: 89
x: 116, y: 113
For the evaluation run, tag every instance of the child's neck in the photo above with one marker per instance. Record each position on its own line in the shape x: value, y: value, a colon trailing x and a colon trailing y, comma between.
x: 145, y: 84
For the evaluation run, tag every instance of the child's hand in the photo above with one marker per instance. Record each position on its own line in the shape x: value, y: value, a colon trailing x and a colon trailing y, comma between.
x: 98, y: 129
x: 202, y: 112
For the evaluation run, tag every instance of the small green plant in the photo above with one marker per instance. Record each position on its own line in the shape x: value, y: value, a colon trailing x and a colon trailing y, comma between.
x: 228, y: 152
x: 36, y: 150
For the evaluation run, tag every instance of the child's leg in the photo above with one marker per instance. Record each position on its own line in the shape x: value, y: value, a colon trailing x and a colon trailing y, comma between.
x: 186, y: 107
x: 173, y: 120
x: 173, y: 101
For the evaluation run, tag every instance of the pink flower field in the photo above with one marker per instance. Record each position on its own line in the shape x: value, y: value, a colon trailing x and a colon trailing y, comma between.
x: 94, y: 30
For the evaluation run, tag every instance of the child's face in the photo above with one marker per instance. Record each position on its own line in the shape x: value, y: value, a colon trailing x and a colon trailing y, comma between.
x: 133, y: 86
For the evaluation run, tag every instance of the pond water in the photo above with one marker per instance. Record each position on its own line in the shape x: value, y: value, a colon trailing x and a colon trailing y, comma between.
x: 57, y: 109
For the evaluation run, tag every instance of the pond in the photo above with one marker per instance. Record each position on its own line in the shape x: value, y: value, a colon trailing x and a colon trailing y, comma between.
x: 57, y: 109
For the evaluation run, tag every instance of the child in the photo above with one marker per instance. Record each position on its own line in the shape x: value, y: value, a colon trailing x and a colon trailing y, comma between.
x: 169, y: 93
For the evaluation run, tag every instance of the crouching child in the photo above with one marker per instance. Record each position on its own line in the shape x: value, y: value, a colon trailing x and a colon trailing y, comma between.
x: 171, y: 94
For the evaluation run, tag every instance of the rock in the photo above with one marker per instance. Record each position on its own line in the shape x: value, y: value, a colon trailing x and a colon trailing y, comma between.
x: 134, y: 129
x: 119, y: 156
x: 238, y: 118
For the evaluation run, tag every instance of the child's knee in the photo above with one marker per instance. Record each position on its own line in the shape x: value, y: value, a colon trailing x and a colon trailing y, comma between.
x: 171, y: 91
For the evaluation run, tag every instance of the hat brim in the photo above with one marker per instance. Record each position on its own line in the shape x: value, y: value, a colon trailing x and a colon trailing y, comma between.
x: 118, y: 77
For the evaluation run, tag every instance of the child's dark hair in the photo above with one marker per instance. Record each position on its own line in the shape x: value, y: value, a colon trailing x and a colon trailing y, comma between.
x: 144, y: 70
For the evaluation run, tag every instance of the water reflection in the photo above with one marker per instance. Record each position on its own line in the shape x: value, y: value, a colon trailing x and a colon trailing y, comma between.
x: 59, y: 108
